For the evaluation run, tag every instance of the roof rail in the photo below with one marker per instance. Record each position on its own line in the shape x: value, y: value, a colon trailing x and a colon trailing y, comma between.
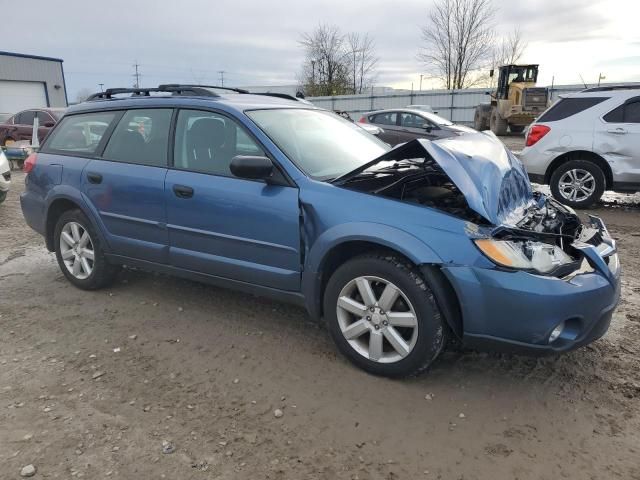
x: 146, y: 92
x: 609, y: 88
x: 189, y: 85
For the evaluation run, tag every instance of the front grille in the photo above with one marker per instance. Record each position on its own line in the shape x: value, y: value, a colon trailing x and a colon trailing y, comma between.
x: 7, y: 176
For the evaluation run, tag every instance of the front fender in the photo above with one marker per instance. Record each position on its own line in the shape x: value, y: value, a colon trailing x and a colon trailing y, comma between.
x: 385, y: 236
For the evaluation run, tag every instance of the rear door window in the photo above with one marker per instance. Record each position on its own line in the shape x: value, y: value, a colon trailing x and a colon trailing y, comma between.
x: 141, y: 137
x: 44, y: 117
x: 80, y: 133
x: 388, y: 118
x: 566, y: 107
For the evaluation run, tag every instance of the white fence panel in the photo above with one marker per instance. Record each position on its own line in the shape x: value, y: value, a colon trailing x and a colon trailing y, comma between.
x: 455, y: 105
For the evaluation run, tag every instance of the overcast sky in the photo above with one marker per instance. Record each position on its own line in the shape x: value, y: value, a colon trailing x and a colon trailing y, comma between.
x: 256, y: 41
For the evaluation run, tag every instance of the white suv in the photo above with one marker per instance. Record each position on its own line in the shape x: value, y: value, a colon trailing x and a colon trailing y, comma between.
x: 5, y: 176
x: 586, y: 143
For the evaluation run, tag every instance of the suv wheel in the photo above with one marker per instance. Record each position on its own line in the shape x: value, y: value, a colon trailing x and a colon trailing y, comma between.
x: 79, y: 252
x: 578, y: 183
x: 383, y: 316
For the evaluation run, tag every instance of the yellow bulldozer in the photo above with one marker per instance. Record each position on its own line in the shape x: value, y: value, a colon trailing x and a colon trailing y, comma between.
x: 515, y: 103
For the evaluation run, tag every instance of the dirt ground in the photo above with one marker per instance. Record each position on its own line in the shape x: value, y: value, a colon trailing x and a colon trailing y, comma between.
x: 93, y: 383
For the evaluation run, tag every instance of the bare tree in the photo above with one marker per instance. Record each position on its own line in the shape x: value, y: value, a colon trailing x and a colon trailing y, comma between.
x: 83, y: 94
x: 510, y: 49
x: 324, y: 71
x: 457, y: 40
x: 362, y: 61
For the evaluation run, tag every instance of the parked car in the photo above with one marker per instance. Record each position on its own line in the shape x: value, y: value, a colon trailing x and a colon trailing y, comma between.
x: 5, y: 176
x: 402, y: 125
x: 586, y: 143
x: 397, y: 250
x: 20, y: 126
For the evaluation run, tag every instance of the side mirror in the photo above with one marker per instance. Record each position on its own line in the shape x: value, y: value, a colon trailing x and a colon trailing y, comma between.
x: 252, y: 167
x: 48, y: 124
x: 427, y: 127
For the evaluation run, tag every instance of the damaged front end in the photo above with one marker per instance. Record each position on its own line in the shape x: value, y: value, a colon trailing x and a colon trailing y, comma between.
x: 475, y: 178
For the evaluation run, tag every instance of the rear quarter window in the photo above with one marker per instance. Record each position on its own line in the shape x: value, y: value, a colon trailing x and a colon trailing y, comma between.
x: 80, y: 134
x: 567, y: 107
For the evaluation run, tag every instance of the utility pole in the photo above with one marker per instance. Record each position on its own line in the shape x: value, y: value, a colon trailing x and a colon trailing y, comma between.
x: 421, y: 75
x: 221, y: 72
x: 137, y: 75
x: 601, y: 77
x: 101, y: 85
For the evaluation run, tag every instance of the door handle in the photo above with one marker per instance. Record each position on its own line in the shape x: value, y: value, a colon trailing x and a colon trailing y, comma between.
x: 617, y: 131
x: 182, y: 191
x: 94, y: 177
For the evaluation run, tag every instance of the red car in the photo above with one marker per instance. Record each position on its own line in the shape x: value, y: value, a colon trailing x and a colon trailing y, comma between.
x: 20, y: 126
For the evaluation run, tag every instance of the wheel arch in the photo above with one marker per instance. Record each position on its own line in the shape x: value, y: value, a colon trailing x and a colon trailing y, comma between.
x: 56, y: 207
x: 580, y: 155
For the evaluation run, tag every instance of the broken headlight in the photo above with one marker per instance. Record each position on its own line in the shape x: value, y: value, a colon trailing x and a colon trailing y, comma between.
x: 524, y: 255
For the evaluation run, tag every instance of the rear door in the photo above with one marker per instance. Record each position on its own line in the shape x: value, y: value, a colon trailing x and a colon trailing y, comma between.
x: 617, y: 138
x: 24, y: 125
x: 225, y: 226
x: 126, y: 184
x: 388, y: 121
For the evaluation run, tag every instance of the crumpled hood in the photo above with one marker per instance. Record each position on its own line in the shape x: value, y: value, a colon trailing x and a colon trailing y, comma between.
x: 491, y: 178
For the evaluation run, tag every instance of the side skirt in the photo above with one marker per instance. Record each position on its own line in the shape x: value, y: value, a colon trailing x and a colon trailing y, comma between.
x: 295, y: 298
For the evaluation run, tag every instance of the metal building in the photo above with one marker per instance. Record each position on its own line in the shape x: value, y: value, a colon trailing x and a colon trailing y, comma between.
x: 30, y: 81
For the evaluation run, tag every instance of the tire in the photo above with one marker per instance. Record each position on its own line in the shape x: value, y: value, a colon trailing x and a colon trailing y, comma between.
x: 3, y: 196
x: 516, y: 128
x: 497, y: 123
x: 587, y: 173
x: 99, y: 272
x: 414, y: 316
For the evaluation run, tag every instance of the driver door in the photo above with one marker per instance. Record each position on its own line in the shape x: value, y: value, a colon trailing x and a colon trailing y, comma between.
x: 412, y: 127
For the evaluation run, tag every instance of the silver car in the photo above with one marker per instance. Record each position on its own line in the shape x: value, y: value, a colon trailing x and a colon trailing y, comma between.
x: 401, y: 125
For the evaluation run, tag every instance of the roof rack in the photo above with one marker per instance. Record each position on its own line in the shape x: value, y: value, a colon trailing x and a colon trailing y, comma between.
x: 609, y: 88
x: 189, y: 85
x: 189, y: 90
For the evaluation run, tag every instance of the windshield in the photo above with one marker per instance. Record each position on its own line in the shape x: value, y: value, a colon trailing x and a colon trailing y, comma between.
x: 320, y: 143
x: 433, y: 118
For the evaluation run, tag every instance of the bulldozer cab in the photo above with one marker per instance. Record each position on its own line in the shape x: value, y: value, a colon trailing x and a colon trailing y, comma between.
x: 510, y: 74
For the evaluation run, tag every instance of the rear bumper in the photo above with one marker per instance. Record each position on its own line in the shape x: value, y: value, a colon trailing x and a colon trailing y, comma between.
x: 33, y: 210
x: 516, y: 312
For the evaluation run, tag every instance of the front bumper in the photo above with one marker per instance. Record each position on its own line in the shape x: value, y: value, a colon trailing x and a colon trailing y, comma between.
x: 517, y: 311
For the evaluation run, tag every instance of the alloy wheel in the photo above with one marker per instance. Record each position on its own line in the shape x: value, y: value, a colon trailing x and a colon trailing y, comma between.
x: 76, y: 249
x: 377, y: 319
x: 576, y: 185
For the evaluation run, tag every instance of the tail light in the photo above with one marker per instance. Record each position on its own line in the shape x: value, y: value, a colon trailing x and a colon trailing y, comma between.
x: 363, y: 119
x: 29, y: 163
x: 536, y: 132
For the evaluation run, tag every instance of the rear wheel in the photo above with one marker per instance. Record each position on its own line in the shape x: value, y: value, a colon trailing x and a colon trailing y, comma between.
x: 383, y: 316
x: 79, y: 252
x: 578, y: 183
x: 498, y: 124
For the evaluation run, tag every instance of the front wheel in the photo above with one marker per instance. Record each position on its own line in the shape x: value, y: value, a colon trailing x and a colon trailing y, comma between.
x: 383, y: 316
x: 79, y: 252
x: 578, y: 183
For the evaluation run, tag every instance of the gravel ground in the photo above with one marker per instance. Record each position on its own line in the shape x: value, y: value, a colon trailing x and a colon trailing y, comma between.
x: 159, y: 377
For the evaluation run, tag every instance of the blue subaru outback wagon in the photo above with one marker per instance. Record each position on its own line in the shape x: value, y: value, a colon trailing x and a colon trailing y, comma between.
x: 398, y: 250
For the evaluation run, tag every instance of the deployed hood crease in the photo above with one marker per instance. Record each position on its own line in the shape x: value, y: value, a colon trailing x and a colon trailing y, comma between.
x: 492, y: 180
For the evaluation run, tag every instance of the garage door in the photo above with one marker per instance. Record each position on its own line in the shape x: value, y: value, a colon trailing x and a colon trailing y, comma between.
x: 16, y: 96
